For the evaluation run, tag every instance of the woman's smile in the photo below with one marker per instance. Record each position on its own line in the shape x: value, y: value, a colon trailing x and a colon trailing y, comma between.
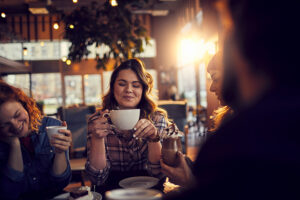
x: 128, y: 89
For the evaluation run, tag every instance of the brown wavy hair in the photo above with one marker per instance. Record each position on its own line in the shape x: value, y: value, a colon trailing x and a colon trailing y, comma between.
x: 147, y: 104
x: 10, y: 93
x: 219, y: 117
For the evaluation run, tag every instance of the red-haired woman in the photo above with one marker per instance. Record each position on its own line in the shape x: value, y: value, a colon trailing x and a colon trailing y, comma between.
x: 31, y: 166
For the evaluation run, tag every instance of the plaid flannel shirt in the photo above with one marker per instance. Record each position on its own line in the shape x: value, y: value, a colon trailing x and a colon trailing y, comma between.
x: 124, y: 155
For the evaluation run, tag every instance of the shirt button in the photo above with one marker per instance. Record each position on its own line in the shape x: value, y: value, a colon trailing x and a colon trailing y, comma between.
x: 51, y: 151
x: 34, y: 178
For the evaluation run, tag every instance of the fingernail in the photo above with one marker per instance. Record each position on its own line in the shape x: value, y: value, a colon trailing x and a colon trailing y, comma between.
x: 133, y: 135
x: 136, y: 138
x: 134, y: 129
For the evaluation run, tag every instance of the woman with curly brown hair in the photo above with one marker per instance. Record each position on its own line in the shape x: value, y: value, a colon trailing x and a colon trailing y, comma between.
x: 31, y: 166
x: 113, y: 155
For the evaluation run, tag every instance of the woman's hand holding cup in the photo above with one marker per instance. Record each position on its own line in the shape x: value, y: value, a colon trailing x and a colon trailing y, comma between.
x: 62, y: 140
x: 181, y: 174
x: 98, y: 125
x: 145, y: 129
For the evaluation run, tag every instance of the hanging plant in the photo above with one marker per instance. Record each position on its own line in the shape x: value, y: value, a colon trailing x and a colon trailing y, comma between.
x: 104, y: 25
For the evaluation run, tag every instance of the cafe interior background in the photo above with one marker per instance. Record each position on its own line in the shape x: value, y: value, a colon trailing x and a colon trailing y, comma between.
x: 35, y: 36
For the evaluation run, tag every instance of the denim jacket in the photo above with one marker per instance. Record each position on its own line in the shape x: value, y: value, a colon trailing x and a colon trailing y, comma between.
x: 37, y: 180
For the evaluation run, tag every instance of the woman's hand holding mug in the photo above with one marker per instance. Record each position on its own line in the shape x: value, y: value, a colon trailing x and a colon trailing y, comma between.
x: 60, y: 137
x: 98, y: 124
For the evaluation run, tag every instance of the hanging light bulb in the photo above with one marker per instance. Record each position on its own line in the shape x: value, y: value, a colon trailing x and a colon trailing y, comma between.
x: 64, y: 59
x: 71, y: 26
x: 75, y: 1
x: 56, y: 25
x: 113, y: 2
x: 3, y: 15
x: 25, y: 51
x: 68, y: 62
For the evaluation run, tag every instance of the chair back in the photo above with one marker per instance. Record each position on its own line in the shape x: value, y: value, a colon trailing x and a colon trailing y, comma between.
x: 177, y: 111
x: 76, y: 118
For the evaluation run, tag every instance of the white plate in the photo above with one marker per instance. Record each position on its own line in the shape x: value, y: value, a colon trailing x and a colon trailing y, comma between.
x: 65, y: 196
x: 139, y: 182
x: 133, y: 194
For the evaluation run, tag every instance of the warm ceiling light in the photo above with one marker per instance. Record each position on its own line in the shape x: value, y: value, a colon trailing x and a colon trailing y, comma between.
x: 3, y: 15
x: 113, y: 2
x: 38, y: 11
x: 71, y: 26
x: 75, y: 1
x: 68, y: 62
x: 160, y: 12
x: 56, y: 25
x: 25, y: 51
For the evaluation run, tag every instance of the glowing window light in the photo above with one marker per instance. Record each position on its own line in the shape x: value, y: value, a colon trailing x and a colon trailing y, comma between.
x: 211, y: 48
x: 42, y: 44
x: 3, y: 15
x: 191, y: 50
x: 113, y: 2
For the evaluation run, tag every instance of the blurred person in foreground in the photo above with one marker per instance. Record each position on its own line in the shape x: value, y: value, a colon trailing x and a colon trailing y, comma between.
x: 114, y: 154
x: 183, y: 174
x: 31, y: 166
x: 255, y: 155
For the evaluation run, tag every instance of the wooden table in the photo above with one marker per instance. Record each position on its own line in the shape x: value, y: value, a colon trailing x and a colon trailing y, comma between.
x: 78, y: 167
x: 77, y: 164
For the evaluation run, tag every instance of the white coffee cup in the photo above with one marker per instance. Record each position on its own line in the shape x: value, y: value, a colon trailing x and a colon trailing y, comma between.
x: 51, y: 130
x: 124, y: 119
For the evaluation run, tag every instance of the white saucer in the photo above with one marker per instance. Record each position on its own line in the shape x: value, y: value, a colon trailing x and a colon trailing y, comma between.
x: 133, y: 194
x: 139, y: 182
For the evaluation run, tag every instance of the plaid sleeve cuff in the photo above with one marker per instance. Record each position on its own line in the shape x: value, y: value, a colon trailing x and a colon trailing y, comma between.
x: 97, y: 176
x: 160, y: 124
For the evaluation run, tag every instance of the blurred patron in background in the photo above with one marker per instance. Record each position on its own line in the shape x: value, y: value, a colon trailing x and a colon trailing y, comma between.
x: 114, y: 154
x: 255, y: 155
x: 31, y: 166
